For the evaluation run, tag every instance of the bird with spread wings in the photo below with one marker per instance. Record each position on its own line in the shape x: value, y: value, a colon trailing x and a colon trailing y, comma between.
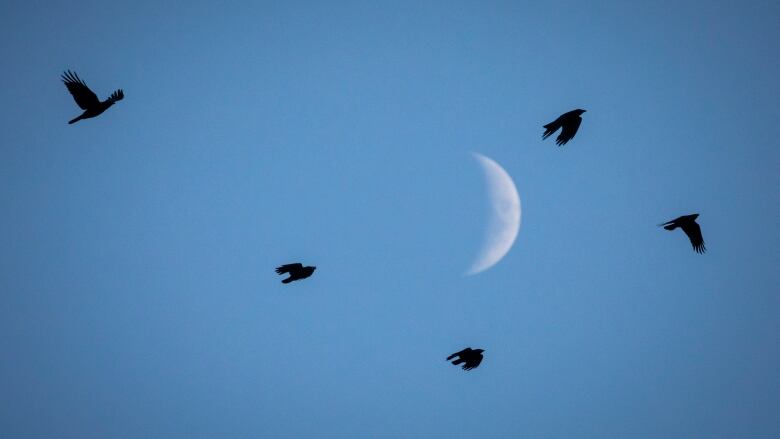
x: 568, y: 123
x: 296, y: 271
x: 688, y: 225
x: 470, y: 358
x: 86, y: 98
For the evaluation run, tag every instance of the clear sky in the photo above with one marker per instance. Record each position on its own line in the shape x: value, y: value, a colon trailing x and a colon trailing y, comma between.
x: 137, y: 249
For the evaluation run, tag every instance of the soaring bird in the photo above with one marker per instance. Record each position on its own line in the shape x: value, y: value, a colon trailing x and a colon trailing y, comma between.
x: 469, y: 357
x: 86, y: 98
x: 569, y: 124
x: 297, y: 272
x: 690, y: 227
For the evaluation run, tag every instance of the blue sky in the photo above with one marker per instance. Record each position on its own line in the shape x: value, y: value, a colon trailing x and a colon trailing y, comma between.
x: 137, y: 249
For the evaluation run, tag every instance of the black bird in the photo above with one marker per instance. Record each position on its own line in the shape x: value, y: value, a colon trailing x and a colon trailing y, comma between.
x: 297, y: 272
x: 469, y: 357
x: 569, y: 124
x: 86, y: 98
x: 691, y: 228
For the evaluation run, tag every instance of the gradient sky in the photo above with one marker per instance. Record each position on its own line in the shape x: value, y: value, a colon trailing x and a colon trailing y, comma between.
x: 137, y: 249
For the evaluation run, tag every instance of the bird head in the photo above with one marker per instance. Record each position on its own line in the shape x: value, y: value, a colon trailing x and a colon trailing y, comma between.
x: 693, y: 216
x: 479, y: 351
x: 580, y: 111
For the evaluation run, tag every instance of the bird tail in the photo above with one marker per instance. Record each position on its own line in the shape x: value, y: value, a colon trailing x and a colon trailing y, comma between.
x: 75, y: 120
x: 287, y: 281
x: 451, y: 357
x: 117, y: 95
x: 668, y: 226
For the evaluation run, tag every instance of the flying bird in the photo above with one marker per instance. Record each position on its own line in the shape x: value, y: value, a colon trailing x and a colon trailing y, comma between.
x: 569, y: 123
x: 86, y: 98
x: 691, y: 228
x: 469, y: 357
x: 297, y: 272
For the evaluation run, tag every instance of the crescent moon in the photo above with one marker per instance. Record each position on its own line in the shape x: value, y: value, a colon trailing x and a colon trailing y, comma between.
x: 505, y: 215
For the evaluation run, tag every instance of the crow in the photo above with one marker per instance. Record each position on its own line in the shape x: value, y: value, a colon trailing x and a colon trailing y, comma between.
x: 86, y: 98
x: 469, y: 357
x: 297, y: 272
x: 569, y: 124
x: 691, y: 228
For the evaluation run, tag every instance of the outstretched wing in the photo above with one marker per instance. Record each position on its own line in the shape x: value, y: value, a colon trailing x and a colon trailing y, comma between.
x: 692, y: 229
x: 551, y: 128
x: 118, y: 95
x: 84, y: 97
x: 568, y: 131
x: 459, y: 354
x: 472, y: 363
x: 289, y: 268
x: 670, y: 225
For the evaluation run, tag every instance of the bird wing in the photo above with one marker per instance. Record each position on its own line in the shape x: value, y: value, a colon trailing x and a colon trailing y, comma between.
x: 551, y: 128
x: 288, y: 268
x: 117, y: 95
x: 692, y: 229
x: 459, y: 354
x: 568, y: 131
x: 670, y: 225
x: 84, y: 97
x: 473, y: 362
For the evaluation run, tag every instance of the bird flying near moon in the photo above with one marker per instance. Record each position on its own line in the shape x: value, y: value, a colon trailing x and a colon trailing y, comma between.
x: 504, y: 222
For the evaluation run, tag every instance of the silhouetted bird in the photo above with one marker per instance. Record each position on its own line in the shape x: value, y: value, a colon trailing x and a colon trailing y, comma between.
x: 86, y: 98
x: 469, y: 357
x: 569, y: 124
x: 296, y: 271
x: 691, y: 228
